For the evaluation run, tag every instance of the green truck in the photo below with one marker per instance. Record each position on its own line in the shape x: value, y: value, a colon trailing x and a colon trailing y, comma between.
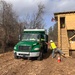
x: 32, y: 44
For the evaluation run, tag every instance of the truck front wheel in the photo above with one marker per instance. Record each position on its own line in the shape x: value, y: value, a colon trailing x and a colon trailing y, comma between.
x: 15, y: 56
x: 40, y: 56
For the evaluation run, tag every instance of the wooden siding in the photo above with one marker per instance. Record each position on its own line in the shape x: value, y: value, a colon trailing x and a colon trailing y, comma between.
x: 72, y: 45
x: 70, y: 22
x: 59, y: 32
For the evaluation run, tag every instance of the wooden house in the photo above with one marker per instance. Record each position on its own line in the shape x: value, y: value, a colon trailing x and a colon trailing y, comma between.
x: 66, y: 31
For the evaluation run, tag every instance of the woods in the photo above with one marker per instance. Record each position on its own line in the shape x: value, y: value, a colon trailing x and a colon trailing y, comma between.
x: 9, y: 25
x: 53, y: 33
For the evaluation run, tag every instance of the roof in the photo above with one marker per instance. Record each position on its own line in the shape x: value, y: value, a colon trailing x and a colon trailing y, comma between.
x: 34, y: 29
x: 68, y: 12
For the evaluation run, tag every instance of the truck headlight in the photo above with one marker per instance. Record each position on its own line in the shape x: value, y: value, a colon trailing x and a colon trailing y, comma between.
x: 14, y: 47
x: 36, y: 49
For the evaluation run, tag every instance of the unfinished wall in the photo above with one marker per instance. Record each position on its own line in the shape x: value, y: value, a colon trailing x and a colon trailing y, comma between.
x: 70, y: 21
x: 66, y: 22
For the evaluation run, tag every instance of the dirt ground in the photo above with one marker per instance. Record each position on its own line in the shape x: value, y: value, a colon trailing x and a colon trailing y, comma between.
x: 48, y: 66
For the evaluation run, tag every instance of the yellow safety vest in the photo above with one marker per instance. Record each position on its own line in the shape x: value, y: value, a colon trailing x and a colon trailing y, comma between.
x: 53, y: 46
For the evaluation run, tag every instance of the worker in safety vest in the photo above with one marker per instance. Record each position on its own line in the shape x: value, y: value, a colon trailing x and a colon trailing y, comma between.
x: 55, y: 49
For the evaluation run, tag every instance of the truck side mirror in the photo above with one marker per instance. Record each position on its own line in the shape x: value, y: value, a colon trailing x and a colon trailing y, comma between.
x: 19, y: 37
x: 46, y: 38
x: 39, y: 37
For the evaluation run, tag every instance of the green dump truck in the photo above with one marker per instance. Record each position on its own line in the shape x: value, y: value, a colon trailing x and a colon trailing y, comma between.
x: 32, y: 44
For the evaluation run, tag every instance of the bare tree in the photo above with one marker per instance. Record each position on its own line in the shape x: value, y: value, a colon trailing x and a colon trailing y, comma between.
x: 38, y: 17
x: 50, y: 33
x: 9, y: 24
x: 36, y: 20
x: 53, y: 33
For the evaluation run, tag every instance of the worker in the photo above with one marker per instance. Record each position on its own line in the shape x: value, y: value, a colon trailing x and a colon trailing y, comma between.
x: 55, y: 49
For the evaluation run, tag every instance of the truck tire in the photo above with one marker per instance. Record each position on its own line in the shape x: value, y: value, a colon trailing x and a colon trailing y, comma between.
x: 15, y: 56
x: 45, y: 49
x: 40, y: 56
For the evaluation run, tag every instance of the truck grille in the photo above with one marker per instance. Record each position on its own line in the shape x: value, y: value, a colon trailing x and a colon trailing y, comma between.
x: 24, y: 48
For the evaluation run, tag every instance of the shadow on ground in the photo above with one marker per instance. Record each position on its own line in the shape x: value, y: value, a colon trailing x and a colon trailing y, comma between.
x: 47, y: 54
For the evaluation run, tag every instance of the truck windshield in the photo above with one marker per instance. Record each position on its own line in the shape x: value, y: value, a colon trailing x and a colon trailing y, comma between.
x: 30, y: 37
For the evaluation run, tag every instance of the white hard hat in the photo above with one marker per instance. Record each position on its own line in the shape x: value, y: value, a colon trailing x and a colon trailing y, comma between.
x: 51, y: 40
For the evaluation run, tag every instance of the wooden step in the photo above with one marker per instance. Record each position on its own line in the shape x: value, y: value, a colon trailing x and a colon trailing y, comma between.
x: 64, y: 41
x: 63, y: 32
x: 65, y: 46
x: 63, y: 36
x: 65, y: 49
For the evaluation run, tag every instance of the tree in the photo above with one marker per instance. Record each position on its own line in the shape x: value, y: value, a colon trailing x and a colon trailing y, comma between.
x: 9, y: 24
x: 50, y: 33
x: 53, y: 33
x: 35, y: 20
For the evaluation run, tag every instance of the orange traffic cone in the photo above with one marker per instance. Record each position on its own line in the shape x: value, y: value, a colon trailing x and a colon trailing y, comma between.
x: 59, y: 59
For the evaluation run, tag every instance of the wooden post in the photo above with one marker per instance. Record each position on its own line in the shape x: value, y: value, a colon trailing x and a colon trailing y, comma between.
x: 59, y: 31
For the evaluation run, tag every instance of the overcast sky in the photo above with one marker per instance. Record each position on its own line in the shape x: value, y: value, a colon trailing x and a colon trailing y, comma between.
x: 23, y: 7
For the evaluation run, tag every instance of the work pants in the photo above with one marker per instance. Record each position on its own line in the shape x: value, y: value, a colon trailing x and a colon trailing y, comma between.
x: 56, y: 51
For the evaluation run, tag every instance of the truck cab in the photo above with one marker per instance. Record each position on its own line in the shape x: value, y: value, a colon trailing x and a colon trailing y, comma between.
x: 32, y: 44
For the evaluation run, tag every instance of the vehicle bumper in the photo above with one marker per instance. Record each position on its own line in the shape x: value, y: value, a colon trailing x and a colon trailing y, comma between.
x: 27, y: 54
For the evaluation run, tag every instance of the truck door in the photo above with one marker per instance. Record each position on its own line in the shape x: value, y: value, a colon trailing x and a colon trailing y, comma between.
x: 46, y: 40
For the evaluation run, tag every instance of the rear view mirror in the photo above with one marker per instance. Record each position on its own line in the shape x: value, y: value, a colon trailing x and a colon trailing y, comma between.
x: 19, y: 37
x: 38, y: 37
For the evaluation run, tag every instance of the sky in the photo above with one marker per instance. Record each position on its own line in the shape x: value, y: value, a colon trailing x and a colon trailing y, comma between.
x: 23, y: 7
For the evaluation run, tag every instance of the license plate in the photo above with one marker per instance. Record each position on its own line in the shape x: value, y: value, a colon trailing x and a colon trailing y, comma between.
x: 25, y: 55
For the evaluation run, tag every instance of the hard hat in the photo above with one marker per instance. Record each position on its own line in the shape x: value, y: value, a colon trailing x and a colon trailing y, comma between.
x: 51, y: 40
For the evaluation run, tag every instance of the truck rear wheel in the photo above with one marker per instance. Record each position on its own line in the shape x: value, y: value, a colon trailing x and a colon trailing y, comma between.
x: 40, y: 56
